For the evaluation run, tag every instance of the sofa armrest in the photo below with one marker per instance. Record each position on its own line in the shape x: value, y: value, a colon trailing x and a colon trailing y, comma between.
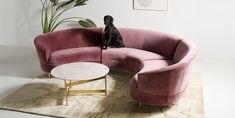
x: 43, y: 48
x: 165, y: 69
x: 167, y: 81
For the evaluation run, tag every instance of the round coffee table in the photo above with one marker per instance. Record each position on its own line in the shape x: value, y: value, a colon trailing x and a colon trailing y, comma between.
x: 79, y: 73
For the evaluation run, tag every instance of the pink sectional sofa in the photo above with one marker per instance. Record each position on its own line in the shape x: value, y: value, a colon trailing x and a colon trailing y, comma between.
x: 160, y: 62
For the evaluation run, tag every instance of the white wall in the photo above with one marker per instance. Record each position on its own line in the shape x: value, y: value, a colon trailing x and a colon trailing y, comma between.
x: 19, y: 22
x: 209, y: 23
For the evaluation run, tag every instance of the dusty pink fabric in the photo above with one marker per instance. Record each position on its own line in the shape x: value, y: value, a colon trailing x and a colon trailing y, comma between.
x: 160, y: 62
x: 151, y: 65
x: 152, y: 41
x: 143, y: 54
x: 89, y: 54
x: 65, y: 39
x: 122, y: 53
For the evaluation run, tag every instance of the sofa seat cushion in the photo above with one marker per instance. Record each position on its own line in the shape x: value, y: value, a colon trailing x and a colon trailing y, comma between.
x: 114, y: 54
x: 122, y: 53
x: 143, y: 55
x: 75, y: 54
x: 151, y: 65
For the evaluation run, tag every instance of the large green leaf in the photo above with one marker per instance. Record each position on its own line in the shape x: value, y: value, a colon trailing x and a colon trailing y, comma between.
x: 91, y: 22
x: 87, y: 23
x: 65, y: 4
x: 80, y: 2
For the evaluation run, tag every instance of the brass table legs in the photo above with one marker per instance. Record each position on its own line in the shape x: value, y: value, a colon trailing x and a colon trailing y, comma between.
x: 69, y: 90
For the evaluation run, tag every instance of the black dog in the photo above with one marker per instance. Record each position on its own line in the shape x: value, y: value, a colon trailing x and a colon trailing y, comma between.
x: 112, y: 37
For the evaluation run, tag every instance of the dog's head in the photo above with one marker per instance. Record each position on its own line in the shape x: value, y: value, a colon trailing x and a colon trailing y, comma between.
x: 108, y: 20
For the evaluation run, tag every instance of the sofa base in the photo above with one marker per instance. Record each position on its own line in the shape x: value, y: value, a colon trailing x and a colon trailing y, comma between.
x: 153, y: 100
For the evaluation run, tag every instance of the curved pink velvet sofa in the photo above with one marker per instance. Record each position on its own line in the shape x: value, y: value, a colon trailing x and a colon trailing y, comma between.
x: 160, y: 62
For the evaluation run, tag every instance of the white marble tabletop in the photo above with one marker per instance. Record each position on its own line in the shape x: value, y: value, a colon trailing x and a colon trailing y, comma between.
x: 79, y: 71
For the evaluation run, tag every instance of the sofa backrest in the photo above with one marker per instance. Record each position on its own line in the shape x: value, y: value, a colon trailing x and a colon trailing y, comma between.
x: 148, y: 40
x: 73, y: 38
x: 153, y: 41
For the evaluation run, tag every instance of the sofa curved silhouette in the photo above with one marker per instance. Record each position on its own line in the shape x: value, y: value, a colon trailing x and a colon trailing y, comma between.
x: 160, y: 62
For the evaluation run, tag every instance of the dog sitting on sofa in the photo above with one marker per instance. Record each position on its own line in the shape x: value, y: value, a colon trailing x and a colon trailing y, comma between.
x: 112, y: 37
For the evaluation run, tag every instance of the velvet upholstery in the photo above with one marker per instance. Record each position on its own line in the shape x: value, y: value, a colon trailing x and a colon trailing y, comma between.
x: 91, y: 54
x: 160, y: 63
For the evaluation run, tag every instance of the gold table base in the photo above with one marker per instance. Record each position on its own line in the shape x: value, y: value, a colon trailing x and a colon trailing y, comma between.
x: 68, y: 87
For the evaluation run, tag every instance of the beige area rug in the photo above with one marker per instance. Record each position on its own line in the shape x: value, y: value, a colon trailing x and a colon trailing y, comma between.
x: 45, y: 97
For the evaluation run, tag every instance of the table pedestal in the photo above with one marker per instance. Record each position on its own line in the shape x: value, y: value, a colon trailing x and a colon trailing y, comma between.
x: 69, y: 90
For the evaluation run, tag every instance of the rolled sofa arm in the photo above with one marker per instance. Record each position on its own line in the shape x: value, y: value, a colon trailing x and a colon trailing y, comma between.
x: 173, y: 79
x: 167, y: 81
x: 43, y: 49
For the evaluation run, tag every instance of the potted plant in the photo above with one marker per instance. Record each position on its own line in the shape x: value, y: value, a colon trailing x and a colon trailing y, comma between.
x: 53, y: 9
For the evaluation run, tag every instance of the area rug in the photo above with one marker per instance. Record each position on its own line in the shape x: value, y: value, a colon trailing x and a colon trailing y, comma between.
x: 45, y: 97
